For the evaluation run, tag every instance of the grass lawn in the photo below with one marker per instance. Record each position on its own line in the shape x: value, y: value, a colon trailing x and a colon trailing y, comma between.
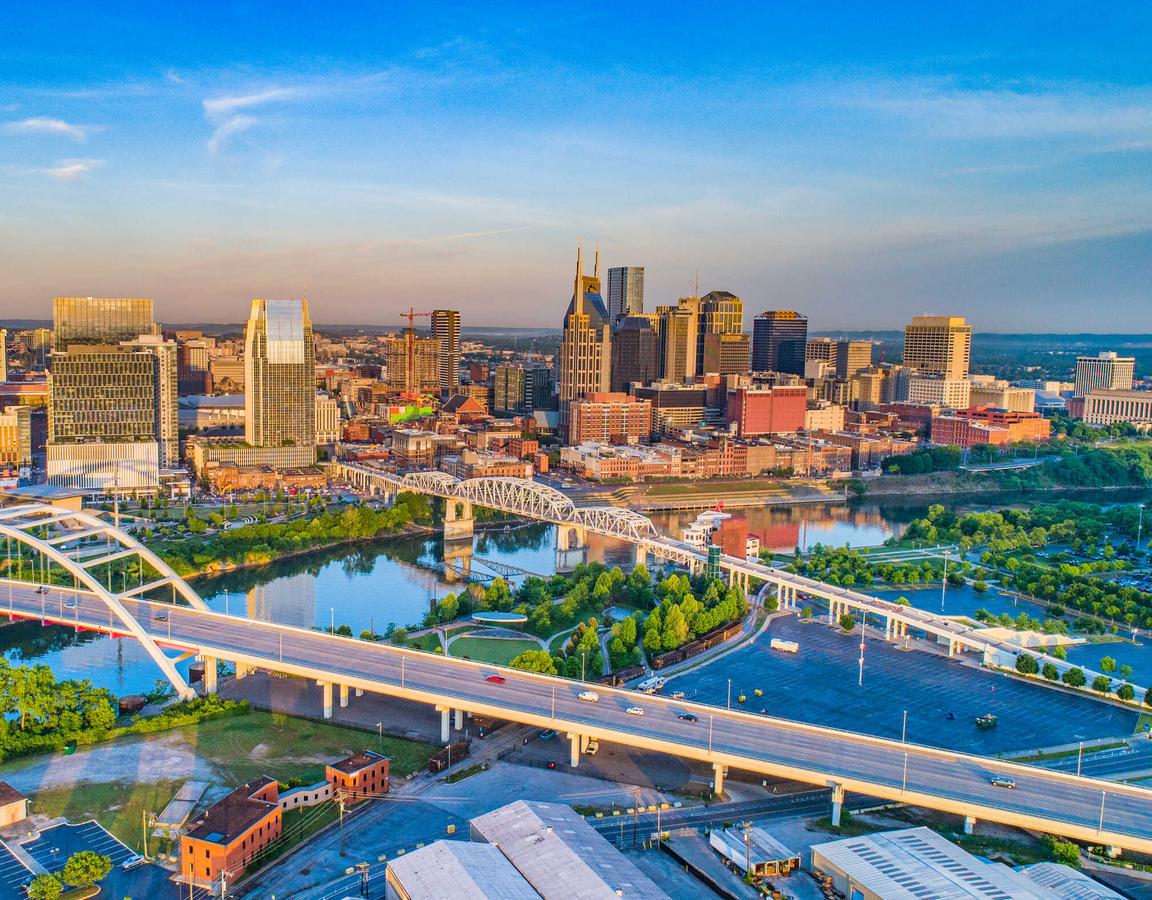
x: 261, y: 743
x: 428, y: 642
x: 118, y: 806
x: 718, y: 489
x: 491, y: 650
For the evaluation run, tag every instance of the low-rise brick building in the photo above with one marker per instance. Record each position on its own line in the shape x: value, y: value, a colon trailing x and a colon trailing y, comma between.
x: 226, y: 838
x: 361, y: 776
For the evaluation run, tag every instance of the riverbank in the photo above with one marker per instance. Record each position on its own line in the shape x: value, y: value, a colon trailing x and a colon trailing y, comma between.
x: 957, y: 484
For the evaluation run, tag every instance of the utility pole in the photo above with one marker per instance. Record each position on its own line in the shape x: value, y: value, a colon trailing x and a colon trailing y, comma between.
x: 340, y: 800
x: 635, y: 814
x: 746, y: 827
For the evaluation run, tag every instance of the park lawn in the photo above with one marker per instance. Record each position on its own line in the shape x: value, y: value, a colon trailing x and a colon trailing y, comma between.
x: 429, y: 642
x: 283, y: 747
x: 498, y: 651
x: 117, y: 805
x: 717, y: 489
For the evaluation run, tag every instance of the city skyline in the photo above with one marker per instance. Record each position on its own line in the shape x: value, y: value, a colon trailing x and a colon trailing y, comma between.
x: 882, y: 165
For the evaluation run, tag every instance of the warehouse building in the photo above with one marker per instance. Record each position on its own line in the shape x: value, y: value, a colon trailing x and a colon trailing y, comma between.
x: 459, y: 870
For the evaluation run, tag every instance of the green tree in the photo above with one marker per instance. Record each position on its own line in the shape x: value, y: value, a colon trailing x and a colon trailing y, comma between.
x: 847, y: 622
x: 1058, y: 652
x: 1027, y: 664
x: 1108, y: 664
x: 675, y: 629
x: 45, y: 887
x: 535, y: 661
x: 86, y: 867
x: 1049, y: 671
x: 1101, y: 684
x: 1074, y: 677
x: 1125, y: 671
x: 1125, y: 692
x: 1065, y: 852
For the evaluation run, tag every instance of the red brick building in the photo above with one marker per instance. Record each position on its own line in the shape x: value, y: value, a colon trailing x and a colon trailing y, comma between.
x: 230, y: 833
x: 988, y: 425
x: 360, y: 777
x: 609, y: 418
x: 768, y: 410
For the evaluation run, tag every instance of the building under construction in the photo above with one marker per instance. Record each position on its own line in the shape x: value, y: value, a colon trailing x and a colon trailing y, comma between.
x: 425, y: 364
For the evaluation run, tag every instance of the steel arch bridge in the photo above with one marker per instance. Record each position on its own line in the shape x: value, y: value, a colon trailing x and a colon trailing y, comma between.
x: 81, y: 544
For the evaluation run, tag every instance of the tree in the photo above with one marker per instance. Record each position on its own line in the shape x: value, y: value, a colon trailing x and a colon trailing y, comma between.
x: 1074, y: 677
x: 45, y: 887
x: 1108, y: 664
x: 1101, y: 684
x: 1125, y: 671
x: 1125, y: 692
x: 1065, y: 852
x: 847, y: 622
x: 1059, y: 652
x: 534, y: 661
x: 675, y: 629
x: 85, y: 867
x: 1049, y: 671
x: 1027, y: 664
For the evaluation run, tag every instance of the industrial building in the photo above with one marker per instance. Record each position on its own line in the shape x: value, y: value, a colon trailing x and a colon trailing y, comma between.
x: 756, y: 852
x: 456, y: 869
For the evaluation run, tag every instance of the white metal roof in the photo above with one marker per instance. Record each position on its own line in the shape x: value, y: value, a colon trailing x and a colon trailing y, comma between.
x: 461, y: 870
x: 1067, y: 883
x: 918, y: 864
x: 561, y: 855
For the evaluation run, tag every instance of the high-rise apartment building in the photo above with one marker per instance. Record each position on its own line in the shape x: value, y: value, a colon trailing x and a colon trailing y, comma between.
x: 779, y: 339
x: 112, y: 420
x: 635, y: 352
x: 1105, y: 372
x: 938, y: 345
x: 518, y: 389
x: 586, y: 346
x: 193, y: 367
x: 101, y: 320
x: 446, y: 329
x: 625, y: 292
x: 279, y: 375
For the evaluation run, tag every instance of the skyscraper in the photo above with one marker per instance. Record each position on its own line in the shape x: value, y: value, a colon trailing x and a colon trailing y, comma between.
x: 1105, y: 372
x: 586, y: 347
x: 112, y: 418
x: 720, y: 312
x: 779, y: 337
x: 938, y: 345
x: 446, y: 329
x: 635, y: 352
x: 625, y: 292
x: 679, y: 329
x: 427, y: 359
x: 279, y: 375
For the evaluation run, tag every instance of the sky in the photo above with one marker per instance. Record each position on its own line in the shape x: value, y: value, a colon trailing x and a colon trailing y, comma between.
x: 859, y: 162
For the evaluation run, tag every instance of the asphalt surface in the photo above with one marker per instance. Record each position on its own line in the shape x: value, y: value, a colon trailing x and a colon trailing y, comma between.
x: 885, y: 767
x: 14, y: 876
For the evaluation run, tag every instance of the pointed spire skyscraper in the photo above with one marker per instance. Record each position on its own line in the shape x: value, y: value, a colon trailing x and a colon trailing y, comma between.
x: 585, y: 351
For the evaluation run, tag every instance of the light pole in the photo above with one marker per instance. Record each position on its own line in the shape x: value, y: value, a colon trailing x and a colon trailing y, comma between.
x: 1079, y: 758
x: 729, y: 694
x: 1140, y: 527
x: 904, y: 731
x: 944, y: 582
x: 332, y: 626
x: 904, y: 780
x: 380, y: 734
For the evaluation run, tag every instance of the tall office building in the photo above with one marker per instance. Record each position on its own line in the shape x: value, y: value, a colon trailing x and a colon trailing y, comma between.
x: 938, y: 345
x: 779, y: 338
x: 720, y: 312
x: 635, y: 352
x: 586, y: 346
x: 726, y: 354
x: 112, y: 420
x: 101, y: 320
x: 446, y: 329
x: 846, y: 358
x: 279, y: 375
x: 3, y: 354
x: 1106, y: 372
x: 508, y: 390
x: 679, y: 331
x: 625, y: 292
x: 193, y: 367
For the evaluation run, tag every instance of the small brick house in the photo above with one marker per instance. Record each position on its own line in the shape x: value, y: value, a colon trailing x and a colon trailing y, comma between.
x: 231, y: 832
x: 361, y: 776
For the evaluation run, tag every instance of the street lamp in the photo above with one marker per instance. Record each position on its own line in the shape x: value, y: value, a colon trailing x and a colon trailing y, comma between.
x: 1139, y: 527
x: 729, y: 694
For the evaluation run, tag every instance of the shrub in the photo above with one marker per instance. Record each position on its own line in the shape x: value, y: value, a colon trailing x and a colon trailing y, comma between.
x: 1074, y: 677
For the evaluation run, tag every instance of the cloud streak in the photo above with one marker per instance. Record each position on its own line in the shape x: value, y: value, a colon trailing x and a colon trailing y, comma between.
x: 46, y: 125
x: 71, y: 169
x: 227, y: 118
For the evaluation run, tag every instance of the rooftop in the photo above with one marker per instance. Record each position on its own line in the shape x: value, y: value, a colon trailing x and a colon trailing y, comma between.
x: 9, y: 794
x: 233, y: 815
x: 459, y: 870
x: 560, y: 854
x: 1067, y: 883
x: 357, y: 762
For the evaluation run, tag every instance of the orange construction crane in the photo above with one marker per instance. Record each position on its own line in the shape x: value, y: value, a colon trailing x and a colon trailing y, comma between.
x: 411, y: 389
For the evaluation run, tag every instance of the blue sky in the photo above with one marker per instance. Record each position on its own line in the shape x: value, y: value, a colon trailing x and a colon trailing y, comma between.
x: 858, y: 162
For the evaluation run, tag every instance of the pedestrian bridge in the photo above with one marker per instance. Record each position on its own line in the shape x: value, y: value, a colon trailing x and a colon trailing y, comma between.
x: 63, y: 569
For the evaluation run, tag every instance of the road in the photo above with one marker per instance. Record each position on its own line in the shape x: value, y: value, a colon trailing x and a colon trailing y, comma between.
x: 1051, y: 801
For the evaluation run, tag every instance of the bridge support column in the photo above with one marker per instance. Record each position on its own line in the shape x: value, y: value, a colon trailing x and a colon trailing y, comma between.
x: 445, y: 723
x: 209, y: 675
x: 327, y: 689
x: 575, y: 746
x: 458, y: 722
x: 969, y: 824
x: 639, y: 556
x: 953, y: 647
x: 837, y: 804
x: 343, y: 696
x: 459, y: 522
x: 718, y: 779
x: 571, y: 547
x: 831, y: 612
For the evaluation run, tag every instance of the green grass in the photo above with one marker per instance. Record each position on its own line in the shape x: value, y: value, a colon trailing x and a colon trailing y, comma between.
x: 491, y: 650
x: 715, y: 489
x: 118, y: 806
x: 427, y: 642
x: 466, y: 773
x: 1023, y: 852
x: 283, y: 747
x: 1065, y: 754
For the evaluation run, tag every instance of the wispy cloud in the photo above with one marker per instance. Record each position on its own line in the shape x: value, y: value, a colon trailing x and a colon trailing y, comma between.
x: 46, y: 125
x: 71, y: 169
x: 224, y: 113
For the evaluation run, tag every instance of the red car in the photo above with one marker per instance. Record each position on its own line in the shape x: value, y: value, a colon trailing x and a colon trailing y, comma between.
x: 496, y: 679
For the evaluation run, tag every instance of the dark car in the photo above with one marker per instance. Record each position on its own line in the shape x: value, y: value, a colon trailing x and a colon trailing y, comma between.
x: 689, y: 717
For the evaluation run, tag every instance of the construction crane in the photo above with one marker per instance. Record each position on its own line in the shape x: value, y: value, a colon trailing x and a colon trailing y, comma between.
x: 411, y: 389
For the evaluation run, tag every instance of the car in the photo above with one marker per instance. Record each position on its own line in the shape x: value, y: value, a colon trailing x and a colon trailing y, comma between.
x: 547, y: 734
x: 677, y: 695
x: 161, y: 617
x: 41, y: 590
x: 689, y: 717
x: 69, y: 604
x: 495, y: 679
x: 634, y: 711
x: 1002, y: 781
x: 593, y: 748
x: 551, y: 764
x: 589, y: 696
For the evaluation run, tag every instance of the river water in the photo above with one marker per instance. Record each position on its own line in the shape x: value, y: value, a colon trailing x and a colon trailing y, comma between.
x: 373, y: 584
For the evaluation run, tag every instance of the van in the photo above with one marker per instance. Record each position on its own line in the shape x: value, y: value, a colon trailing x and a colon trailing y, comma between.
x: 589, y: 696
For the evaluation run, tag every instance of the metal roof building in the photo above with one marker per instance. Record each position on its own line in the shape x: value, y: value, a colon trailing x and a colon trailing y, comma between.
x: 918, y: 864
x: 768, y: 856
x: 456, y: 869
x: 1067, y: 883
x: 561, y: 855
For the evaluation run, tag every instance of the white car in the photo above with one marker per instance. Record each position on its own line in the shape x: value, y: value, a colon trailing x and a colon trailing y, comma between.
x: 634, y: 711
x: 69, y: 604
x: 593, y: 748
x: 589, y: 696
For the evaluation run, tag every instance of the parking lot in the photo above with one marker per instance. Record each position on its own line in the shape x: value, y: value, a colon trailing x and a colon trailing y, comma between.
x: 819, y: 685
x: 56, y: 844
x: 14, y: 875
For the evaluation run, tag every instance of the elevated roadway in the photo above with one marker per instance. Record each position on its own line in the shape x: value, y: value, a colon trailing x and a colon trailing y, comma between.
x: 1056, y: 802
